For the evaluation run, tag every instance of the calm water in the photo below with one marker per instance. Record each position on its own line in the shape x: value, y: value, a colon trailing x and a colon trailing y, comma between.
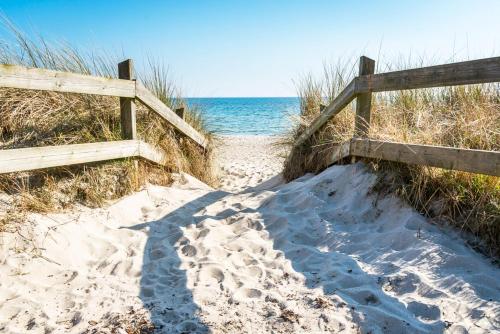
x: 248, y: 116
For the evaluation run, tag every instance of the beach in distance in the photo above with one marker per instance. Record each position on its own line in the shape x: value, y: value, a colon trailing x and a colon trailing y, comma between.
x: 248, y: 115
x: 253, y: 167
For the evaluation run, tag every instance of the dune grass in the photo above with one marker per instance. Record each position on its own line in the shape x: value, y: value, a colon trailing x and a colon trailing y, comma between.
x: 36, y: 118
x: 461, y: 116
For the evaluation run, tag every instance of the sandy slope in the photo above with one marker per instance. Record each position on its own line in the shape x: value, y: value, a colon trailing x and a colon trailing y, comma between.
x: 321, y: 254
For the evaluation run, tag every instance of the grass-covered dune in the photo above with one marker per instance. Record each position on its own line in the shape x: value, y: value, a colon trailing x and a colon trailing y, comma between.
x: 462, y: 116
x: 36, y: 118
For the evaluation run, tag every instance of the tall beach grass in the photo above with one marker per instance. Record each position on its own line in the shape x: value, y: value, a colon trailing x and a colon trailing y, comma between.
x: 460, y: 116
x: 36, y: 118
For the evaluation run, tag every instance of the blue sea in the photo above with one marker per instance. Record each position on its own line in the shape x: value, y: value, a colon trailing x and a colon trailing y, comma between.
x: 247, y: 116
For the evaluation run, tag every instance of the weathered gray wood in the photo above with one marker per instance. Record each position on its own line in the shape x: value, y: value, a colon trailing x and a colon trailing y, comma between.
x: 340, y: 152
x: 152, y: 102
x: 24, y: 159
x: 363, y: 100
x: 180, y: 112
x: 52, y: 156
x: 127, y: 104
x: 462, y: 73
x: 339, y: 103
x: 470, y: 72
x: 12, y: 76
x: 474, y: 161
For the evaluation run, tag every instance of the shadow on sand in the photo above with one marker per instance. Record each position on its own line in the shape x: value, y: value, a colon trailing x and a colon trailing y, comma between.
x: 335, y: 272
x: 304, y: 239
x: 164, y: 290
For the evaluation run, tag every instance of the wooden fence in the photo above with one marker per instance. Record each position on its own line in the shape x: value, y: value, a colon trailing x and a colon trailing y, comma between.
x: 126, y: 87
x: 362, y: 87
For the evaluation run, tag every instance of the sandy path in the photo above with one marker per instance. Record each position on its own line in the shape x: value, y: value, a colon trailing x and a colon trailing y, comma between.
x: 322, y: 254
x: 247, y: 161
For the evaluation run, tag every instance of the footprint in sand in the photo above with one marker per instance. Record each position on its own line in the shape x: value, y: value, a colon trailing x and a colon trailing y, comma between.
x: 245, y: 293
x: 203, y: 233
x: 210, y: 275
x: 424, y: 311
x: 402, y: 284
x: 157, y: 254
x: 251, y: 271
x: 254, y: 225
x: 189, y: 250
x: 363, y: 297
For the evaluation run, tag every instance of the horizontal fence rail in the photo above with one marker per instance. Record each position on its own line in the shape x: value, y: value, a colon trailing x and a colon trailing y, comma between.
x: 465, y: 160
x: 463, y: 73
x: 360, y: 88
x: 12, y: 76
x: 24, y: 159
x: 126, y: 88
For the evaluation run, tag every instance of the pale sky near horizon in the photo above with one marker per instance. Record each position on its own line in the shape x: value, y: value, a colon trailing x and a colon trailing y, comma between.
x: 257, y: 48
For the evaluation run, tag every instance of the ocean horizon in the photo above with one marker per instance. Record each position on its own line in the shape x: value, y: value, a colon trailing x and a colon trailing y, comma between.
x: 247, y: 115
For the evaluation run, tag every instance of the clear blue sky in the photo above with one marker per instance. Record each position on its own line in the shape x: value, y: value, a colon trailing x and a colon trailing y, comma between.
x: 256, y: 48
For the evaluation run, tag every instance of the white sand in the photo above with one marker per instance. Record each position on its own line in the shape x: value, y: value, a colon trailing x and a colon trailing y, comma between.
x: 321, y: 254
x: 248, y: 161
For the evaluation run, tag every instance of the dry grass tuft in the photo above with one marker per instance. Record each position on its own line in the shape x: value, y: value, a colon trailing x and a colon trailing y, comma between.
x: 36, y: 118
x: 463, y: 116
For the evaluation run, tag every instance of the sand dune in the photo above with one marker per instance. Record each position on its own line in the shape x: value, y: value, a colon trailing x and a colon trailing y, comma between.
x: 322, y: 254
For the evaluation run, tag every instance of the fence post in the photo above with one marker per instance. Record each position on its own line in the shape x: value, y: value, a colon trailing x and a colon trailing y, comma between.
x: 180, y: 112
x: 363, y: 100
x: 127, y: 105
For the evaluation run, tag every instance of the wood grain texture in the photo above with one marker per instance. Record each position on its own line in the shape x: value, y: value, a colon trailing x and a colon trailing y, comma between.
x: 12, y: 76
x: 473, y: 161
x: 339, y: 103
x: 364, y: 101
x: 127, y: 104
x: 462, y: 73
x: 152, y: 102
x: 24, y: 159
x: 340, y: 152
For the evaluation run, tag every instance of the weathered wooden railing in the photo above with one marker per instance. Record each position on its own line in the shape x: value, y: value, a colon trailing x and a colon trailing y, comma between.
x: 126, y: 87
x: 362, y: 87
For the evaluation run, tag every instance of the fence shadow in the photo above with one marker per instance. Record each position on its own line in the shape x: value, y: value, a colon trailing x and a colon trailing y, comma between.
x: 164, y: 290
x: 338, y: 273
x: 163, y: 284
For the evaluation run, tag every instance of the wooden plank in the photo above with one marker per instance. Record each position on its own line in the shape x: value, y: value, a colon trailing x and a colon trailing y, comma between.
x: 364, y: 100
x: 340, y: 152
x: 152, y: 102
x: 23, y: 159
x: 462, y: 73
x: 127, y: 104
x: 152, y: 153
x: 339, y: 103
x: 474, y: 161
x: 12, y: 76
